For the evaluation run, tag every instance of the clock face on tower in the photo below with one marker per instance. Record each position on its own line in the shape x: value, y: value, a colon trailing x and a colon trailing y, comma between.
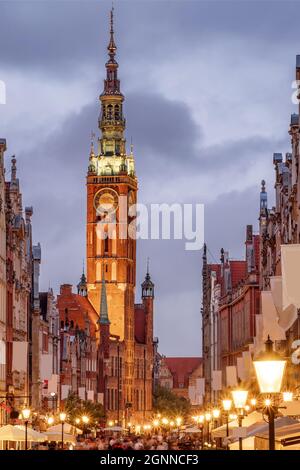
x: 106, y: 201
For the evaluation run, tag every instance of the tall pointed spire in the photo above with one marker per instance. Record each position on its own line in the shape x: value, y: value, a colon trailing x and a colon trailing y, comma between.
x: 111, y: 83
x: 147, y: 285
x: 103, y: 320
x: 82, y: 285
x: 112, y: 45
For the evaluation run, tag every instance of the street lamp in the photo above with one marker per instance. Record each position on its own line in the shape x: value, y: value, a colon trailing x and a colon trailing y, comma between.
x: 178, y: 421
x: 62, y: 418
x: 287, y: 396
x: 208, y: 420
x: 85, y: 419
x: 269, y: 368
x: 240, y: 398
x: 50, y: 420
x: 26, y: 412
x: 156, y: 423
x: 227, y: 404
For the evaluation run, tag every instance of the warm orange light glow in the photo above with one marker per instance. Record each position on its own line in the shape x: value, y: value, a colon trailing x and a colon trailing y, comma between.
x: 62, y: 416
x: 50, y: 420
x: 269, y: 375
x: 26, y: 412
x: 216, y: 413
x: 239, y: 398
x: 227, y: 404
x: 287, y: 396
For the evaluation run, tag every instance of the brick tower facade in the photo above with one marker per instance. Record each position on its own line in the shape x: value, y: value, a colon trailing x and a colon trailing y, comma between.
x: 111, y: 259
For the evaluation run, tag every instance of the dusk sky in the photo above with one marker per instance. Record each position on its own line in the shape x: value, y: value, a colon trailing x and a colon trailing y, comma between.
x: 208, y: 89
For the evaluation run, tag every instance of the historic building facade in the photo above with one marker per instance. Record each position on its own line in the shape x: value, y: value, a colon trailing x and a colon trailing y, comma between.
x: 78, y: 345
x: 19, y: 283
x: 280, y: 225
x: 183, y: 376
x: 2, y: 279
x: 231, y: 301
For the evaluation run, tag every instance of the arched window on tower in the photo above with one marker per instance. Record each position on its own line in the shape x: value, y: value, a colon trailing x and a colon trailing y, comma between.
x: 109, y: 112
x: 106, y: 248
x: 117, y: 113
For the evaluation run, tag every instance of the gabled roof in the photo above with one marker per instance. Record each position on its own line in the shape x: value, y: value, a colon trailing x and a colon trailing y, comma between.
x: 181, y: 368
x: 238, y: 271
x: 78, y: 307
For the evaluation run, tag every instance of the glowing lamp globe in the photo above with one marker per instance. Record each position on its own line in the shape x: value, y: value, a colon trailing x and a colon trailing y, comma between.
x: 287, y: 396
x: 26, y: 412
x: 269, y: 368
x: 227, y: 404
x: 239, y: 398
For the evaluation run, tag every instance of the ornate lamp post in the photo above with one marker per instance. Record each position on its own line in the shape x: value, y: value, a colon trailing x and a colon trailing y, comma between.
x: 227, y: 404
x: 85, y: 419
x: 240, y: 398
x: 62, y: 418
x: 50, y: 420
x: 208, y: 420
x: 269, y: 368
x: 26, y: 412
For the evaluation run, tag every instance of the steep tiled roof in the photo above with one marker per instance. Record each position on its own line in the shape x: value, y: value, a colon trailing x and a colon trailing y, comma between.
x: 181, y: 368
x: 139, y: 323
x: 77, y: 307
x: 238, y: 271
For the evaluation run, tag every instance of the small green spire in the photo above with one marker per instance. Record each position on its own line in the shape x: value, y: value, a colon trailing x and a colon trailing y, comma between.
x: 103, y: 319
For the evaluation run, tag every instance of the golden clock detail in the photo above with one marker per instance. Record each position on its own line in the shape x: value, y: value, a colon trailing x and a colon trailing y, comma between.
x: 106, y: 201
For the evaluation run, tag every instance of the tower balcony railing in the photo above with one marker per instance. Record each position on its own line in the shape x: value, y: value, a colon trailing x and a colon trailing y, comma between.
x: 112, y: 179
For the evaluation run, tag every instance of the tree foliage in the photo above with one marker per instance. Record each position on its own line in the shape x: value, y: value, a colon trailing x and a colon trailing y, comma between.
x: 76, y: 408
x: 169, y: 404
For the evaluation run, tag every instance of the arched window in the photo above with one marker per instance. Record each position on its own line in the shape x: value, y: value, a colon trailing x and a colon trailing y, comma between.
x: 109, y: 112
x: 117, y: 112
x: 106, y: 245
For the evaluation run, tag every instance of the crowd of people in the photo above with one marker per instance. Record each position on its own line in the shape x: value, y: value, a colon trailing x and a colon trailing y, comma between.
x: 144, y: 442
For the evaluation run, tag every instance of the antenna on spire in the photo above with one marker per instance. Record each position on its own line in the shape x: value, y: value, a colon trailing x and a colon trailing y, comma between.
x: 148, y: 263
x: 83, y: 266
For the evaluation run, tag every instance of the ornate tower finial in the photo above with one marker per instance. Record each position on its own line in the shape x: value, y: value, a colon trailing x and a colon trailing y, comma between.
x: 263, y: 199
x: 13, y: 168
x: 147, y: 285
x: 131, y: 146
x: 111, y: 84
x: 82, y: 285
x: 92, y: 151
x: 112, y: 45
